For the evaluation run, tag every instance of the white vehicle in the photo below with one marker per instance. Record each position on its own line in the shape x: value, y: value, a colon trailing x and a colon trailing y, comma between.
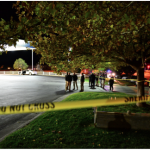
x: 29, y: 72
x: 124, y: 77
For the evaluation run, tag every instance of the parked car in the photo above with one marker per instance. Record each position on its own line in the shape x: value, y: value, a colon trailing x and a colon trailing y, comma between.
x: 29, y: 72
x: 117, y: 76
x: 124, y: 77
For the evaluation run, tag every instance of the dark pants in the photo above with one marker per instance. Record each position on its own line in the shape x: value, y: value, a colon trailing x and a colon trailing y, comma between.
x: 69, y: 85
x: 82, y: 86
x: 96, y: 82
x: 100, y: 82
x: 92, y: 84
x: 111, y: 87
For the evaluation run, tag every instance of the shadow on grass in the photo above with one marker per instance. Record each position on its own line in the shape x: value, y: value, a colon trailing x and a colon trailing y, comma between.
x: 128, y: 129
x: 119, y: 122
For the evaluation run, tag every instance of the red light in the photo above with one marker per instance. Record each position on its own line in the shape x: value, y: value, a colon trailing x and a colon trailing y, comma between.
x: 148, y: 66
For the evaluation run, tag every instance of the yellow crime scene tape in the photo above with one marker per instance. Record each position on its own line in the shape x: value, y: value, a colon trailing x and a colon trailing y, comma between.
x: 127, y: 79
x: 50, y: 106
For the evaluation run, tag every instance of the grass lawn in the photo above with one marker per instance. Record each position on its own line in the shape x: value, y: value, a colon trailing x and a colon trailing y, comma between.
x: 75, y: 128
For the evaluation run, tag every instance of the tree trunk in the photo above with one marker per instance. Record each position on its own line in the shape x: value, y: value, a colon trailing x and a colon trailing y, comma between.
x: 140, y: 86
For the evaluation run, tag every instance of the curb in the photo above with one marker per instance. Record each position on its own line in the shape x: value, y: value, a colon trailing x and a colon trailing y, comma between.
x: 62, y: 97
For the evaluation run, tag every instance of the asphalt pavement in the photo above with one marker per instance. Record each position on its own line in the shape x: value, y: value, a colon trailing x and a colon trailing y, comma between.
x: 17, y: 90
x: 31, y: 89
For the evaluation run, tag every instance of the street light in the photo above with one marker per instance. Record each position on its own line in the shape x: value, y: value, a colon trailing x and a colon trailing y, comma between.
x: 20, y: 45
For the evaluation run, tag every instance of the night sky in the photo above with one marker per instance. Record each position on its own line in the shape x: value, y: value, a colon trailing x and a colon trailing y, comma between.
x: 6, y: 11
x: 8, y: 59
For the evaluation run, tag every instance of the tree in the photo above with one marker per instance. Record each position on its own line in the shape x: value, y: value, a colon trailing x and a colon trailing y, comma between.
x: 20, y: 64
x: 9, y: 32
x: 97, y: 31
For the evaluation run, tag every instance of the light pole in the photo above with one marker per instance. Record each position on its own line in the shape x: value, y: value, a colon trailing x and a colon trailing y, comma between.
x: 32, y: 59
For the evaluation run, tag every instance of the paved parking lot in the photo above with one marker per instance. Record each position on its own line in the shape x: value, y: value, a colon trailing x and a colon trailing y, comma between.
x: 28, y: 89
x: 15, y: 89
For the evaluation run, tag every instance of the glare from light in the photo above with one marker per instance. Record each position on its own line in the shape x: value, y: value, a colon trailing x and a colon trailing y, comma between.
x: 20, y: 45
x: 108, y: 71
x: 108, y: 75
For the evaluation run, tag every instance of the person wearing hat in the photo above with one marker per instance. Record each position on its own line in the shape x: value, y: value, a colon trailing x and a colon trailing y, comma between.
x: 82, y: 83
x: 111, y: 82
x: 92, y: 81
x: 66, y: 78
x: 75, y: 78
x: 69, y: 81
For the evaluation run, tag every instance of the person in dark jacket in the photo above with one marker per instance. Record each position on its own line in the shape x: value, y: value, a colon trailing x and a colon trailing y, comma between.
x: 100, y: 79
x: 75, y: 78
x: 92, y: 81
x: 69, y: 81
x: 103, y: 80
x: 82, y: 83
x: 149, y: 88
x: 111, y: 82
x: 66, y: 78
x: 96, y: 79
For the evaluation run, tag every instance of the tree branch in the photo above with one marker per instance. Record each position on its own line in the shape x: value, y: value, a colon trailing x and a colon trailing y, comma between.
x: 77, y: 4
x: 129, y: 4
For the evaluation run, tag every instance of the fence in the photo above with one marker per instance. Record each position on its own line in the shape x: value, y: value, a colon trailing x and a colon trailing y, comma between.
x: 38, y: 73
x: 9, y: 72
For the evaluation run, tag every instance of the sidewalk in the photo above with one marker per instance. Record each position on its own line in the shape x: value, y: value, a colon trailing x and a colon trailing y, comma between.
x: 125, y: 89
x: 117, y: 88
x: 86, y: 89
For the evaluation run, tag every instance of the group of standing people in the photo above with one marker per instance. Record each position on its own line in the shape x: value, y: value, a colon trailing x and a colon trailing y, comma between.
x: 74, y: 77
x: 94, y: 78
